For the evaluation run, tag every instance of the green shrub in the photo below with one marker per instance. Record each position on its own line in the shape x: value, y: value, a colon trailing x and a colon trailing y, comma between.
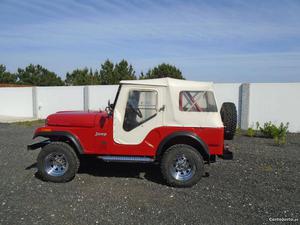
x: 268, y: 129
x: 238, y: 131
x: 278, y: 133
x: 257, y: 126
x: 253, y: 132
x: 250, y: 132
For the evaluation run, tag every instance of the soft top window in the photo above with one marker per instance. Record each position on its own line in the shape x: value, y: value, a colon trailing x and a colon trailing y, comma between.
x: 197, y: 101
x: 141, y: 107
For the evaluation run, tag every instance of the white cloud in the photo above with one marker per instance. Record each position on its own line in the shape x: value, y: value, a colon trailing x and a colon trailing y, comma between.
x: 238, y: 35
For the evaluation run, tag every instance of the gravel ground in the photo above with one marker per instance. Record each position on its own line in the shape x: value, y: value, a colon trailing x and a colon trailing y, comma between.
x: 262, y: 182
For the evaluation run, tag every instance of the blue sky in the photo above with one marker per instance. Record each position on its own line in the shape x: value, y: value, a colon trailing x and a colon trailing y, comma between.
x: 210, y: 40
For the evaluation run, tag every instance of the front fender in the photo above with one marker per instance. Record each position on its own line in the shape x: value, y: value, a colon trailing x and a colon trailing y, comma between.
x: 58, y: 136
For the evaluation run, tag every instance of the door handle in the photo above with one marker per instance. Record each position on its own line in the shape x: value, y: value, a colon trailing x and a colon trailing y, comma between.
x: 162, y: 108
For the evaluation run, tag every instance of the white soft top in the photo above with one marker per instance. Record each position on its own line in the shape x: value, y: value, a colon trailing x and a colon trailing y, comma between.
x: 171, y: 82
x: 168, y: 111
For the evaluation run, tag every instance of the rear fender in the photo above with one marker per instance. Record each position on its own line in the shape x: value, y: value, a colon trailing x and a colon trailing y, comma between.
x: 188, y: 138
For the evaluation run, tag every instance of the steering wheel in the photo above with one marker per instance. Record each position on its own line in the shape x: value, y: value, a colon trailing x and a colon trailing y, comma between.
x: 137, y: 111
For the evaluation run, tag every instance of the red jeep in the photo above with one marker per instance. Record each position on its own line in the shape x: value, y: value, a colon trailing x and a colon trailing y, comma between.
x: 172, y: 122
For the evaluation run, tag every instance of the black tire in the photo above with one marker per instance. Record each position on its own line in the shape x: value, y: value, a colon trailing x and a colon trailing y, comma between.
x: 169, y: 170
x: 229, y: 118
x: 63, y: 168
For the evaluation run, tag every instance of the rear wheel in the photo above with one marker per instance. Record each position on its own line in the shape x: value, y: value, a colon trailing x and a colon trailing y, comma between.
x: 57, y: 162
x: 182, y: 166
x: 229, y: 118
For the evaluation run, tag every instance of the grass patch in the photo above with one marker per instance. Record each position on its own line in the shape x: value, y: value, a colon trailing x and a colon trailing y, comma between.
x: 267, y: 168
x: 31, y: 123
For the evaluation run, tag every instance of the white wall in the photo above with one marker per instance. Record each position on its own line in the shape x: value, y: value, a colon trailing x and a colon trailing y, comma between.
x: 16, y: 102
x: 276, y: 102
x: 228, y: 92
x: 53, y: 99
x: 99, y: 96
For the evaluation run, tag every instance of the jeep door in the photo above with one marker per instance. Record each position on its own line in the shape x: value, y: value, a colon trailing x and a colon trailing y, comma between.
x: 139, y: 109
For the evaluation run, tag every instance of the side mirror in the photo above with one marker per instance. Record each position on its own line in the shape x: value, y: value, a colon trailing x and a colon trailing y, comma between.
x: 109, y: 108
x: 110, y: 105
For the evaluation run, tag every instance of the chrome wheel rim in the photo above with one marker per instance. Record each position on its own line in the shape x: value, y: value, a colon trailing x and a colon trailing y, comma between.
x: 182, y: 168
x: 56, y: 164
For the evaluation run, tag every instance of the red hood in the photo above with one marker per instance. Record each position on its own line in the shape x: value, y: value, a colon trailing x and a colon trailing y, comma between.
x: 74, y: 118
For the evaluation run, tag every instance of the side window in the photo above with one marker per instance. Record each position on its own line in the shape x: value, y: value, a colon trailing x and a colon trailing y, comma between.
x: 197, y: 101
x: 141, y: 106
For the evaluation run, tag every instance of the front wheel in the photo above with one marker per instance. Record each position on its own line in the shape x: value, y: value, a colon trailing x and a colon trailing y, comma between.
x: 57, y: 162
x: 182, y: 166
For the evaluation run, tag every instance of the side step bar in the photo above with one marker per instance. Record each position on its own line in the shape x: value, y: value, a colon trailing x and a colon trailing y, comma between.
x: 126, y: 159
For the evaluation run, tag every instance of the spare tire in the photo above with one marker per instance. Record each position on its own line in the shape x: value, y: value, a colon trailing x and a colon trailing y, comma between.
x: 229, y: 118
